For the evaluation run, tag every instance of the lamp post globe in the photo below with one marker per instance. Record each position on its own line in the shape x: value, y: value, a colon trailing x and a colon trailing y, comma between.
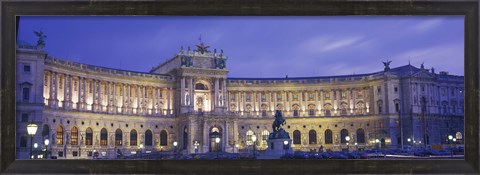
x: 217, y: 141
x: 254, y: 139
x: 35, y: 145
x: 31, y: 130
x: 450, y: 137
x: 46, y: 142
x: 454, y: 139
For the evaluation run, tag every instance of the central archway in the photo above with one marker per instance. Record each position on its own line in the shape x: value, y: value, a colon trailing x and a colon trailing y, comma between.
x: 215, y: 132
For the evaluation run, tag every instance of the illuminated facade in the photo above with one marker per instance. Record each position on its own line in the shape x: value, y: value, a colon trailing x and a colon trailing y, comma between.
x: 84, y: 109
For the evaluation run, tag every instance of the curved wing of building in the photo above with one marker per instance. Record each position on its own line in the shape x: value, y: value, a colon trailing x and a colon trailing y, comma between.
x: 87, y: 111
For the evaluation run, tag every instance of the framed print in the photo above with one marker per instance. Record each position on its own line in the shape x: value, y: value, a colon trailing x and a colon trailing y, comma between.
x: 239, y: 87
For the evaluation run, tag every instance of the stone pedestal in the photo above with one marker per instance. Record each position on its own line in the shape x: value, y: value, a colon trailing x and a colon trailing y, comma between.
x: 276, y: 149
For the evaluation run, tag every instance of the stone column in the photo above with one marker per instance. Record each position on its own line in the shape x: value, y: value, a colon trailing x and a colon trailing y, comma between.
x: 322, y: 102
x: 51, y: 100
x: 114, y: 100
x: 168, y: 100
x: 269, y: 101
x: 226, y: 146
x: 364, y: 100
x: 79, y: 102
x: 70, y: 92
x: 65, y: 92
x: 354, y: 94
x: 224, y: 91
x: 109, y: 105
x: 244, y: 101
x: 290, y: 101
x: 334, y: 101
x: 56, y: 91
x: 124, y: 109
x: 205, y: 136
x: 254, y: 98
x: 190, y: 86
x: 300, y: 103
x: 100, y: 96
x: 275, y: 98
x: 94, y: 95
x: 217, y: 94
x: 238, y: 101
x: 316, y: 104
x: 84, y: 101
x: 145, y: 100
x: 348, y: 100
x: 183, y: 100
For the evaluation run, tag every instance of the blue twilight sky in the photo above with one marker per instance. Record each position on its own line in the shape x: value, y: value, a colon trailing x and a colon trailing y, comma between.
x: 258, y: 47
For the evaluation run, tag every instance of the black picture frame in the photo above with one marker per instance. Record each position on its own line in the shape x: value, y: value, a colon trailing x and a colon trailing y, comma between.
x: 10, y: 10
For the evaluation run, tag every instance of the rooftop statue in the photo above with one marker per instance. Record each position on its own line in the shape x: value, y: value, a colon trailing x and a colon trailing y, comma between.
x: 386, y: 65
x: 41, y: 38
x: 278, y: 131
x: 202, y: 48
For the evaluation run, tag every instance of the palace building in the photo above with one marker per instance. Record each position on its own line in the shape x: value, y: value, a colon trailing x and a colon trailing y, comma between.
x: 189, y: 99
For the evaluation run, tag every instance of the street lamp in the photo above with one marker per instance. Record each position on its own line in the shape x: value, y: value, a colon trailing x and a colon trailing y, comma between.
x: 285, y: 146
x: 356, y: 146
x: 35, y: 145
x: 217, y: 141
x: 450, y: 138
x: 254, y: 139
x: 46, y: 142
x: 347, y: 138
x: 196, y: 146
x: 141, y: 150
x: 175, y: 143
x: 378, y: 145
x: 31, y: 129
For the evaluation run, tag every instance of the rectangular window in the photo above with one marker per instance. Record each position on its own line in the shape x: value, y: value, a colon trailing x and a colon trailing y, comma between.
x: 26, y: 68
x: 443, y: 91
x: 327, y: 96
x: 90, y: 85
x: 60, y: 84
x: 295, y: 97
x: 279, y: 97
x: 232, y: 98
x: 24, y: 117
x: 74, y: 153
x: 396, y: 89
x: 344, y: 95
x: 311, y: 97
x: 26, y: 94
x: 379, y: 90
x: 452, y: 92
x: 75, y: 85
x: 264, y: 98
x: 247, y: 98
x: 60, y: 154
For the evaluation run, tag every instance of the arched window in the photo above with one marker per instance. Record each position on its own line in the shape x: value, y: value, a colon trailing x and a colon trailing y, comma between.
x: 89, y: 136
x: 133, y: 137
x: 264, y: 110
x: 297, y: 137
x: 163, y: 138
x: 148, y: 138
x: 327, y: 108
x: 26, y: 94
x: 312, y: 137
x: 59, y: 139
x: 118, y: 137
x: 265, y: 135
x: 311, y: 110
x: 46, y: 131
x: 328, y: 137
x: 360, y: 135
x: 296, y: 109
x: 343, y: 134
x: 23, y: 141
x: 249, y: 137
x: 343, y: 109
x: 379, y: 104
x: 74, y: 136
x: 458, y: 136
x: 103, y: 137
x: 200, y: 86
x: 359, y: 107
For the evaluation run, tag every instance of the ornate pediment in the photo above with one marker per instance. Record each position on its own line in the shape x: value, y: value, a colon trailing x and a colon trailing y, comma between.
x: 423, y: 74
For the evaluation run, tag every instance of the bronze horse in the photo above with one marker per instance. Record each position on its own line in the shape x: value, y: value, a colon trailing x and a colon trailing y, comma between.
x: 279, y: 120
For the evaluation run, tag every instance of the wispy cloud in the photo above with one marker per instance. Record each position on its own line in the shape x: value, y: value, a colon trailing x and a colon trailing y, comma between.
x: 329, y: 43
x: 427, y: 25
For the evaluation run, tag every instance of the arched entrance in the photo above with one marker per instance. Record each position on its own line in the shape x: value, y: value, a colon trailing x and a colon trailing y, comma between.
x: 202, y: 98
x: 185, y: 137
x: 215, y: 132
